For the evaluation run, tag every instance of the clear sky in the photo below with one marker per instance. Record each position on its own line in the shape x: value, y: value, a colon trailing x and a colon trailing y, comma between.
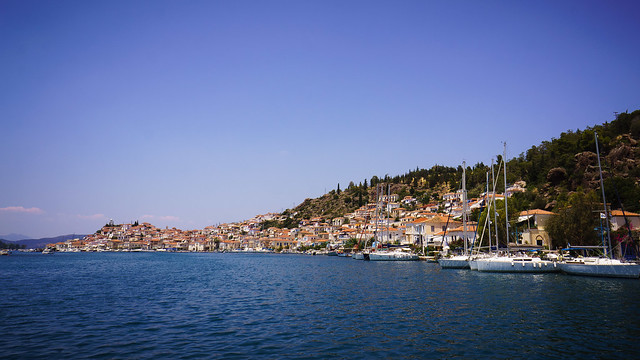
x: 194, y: 113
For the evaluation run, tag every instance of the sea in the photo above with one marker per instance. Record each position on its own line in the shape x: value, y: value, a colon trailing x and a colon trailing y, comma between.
x: 276, y: 306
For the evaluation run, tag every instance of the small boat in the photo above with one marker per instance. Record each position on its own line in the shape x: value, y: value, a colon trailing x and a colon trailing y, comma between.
x: 402, y: 254
x: 4, y: 252
x: 429, y: 259
x: 48, y: 251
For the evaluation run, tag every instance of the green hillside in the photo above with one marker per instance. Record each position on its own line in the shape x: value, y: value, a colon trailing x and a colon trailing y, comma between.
x: 552, y: 171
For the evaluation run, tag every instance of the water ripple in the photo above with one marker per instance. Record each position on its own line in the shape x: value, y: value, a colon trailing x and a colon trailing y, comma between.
x: 238, y: 306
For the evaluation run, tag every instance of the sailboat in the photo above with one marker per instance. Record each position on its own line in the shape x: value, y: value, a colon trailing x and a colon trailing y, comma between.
x: 601, y: 266
x: 513, y: 262
x: 459, y: 261
x: 473, y: 259
x: 396, y: 254
x: 389, y: 254
x: 364, y: 253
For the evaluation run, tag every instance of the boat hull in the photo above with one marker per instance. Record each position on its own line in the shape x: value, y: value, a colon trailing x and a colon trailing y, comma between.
x: 392, y: 256
x: 454, y: 263
x: 360, y: 256
x: 516, y: 266
x: 473, y: 264
x: 623, y: 270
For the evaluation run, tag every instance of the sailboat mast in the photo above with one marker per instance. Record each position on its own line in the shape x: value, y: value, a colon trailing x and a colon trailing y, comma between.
x: 495, y: 213
x: 488, y: 203
x: 375, y: 235
x: 506, y: 211
x: 604, y: 200
x: 464, y: 206
x: 388, y: 213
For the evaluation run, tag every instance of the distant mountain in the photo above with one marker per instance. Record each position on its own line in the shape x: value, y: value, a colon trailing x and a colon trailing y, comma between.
x: 14, y: 237
x: 41, y: 243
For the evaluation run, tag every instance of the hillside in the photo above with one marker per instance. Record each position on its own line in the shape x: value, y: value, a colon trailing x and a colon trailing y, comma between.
x: 41, y: 243
x: 569, y: 163
x: 14, y: 237
x: 551, y: 171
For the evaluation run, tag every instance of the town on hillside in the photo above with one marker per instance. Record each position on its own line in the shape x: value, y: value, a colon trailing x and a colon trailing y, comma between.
x: 424, y: 227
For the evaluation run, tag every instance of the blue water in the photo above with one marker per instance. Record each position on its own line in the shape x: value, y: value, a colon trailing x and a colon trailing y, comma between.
x: 193, y: 306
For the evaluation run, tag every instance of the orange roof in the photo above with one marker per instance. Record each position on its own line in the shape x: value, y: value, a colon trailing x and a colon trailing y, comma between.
x: 470, y: 228
x: 420, y: 220
x: 535, y: 212
x: 626, y: 213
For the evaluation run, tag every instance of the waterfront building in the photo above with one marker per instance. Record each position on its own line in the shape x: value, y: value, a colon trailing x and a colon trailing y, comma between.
x: 532, y: 223
x: 618, y: 219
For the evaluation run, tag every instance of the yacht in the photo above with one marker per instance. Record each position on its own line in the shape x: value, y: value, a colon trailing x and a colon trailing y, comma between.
x: 473, y: 259
x: 402, y: 254
x: 459, y: 261
x: 598, y: 266
x: 454, y: 262
x: 601, y: 266
x: 361, y: 255
x: 516, y: 264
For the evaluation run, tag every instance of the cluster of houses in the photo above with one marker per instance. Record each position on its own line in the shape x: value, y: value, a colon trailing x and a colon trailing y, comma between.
x: 432, y: 225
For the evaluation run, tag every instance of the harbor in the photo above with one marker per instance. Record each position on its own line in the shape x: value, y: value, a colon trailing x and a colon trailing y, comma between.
x: 369, y: 233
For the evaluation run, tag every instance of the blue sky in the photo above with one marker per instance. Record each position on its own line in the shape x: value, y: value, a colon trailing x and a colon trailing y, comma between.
x: 194, y: 113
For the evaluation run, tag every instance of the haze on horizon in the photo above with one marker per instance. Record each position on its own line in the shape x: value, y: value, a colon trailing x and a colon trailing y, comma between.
x: 190, y: 114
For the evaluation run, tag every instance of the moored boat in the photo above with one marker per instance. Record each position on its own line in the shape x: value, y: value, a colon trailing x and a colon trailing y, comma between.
x: 459, y: 261
x: 605, y: 266
x: 602, y: 267
x: 517, y: 264
x: 473, y: 260
x: 454, y: 262
x: 393, y: 255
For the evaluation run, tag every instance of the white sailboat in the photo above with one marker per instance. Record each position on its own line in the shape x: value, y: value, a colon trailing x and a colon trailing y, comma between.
x: 601, y: 266
x: 397, y: 254
x: 388, y: 254
x: 473, y: 259
x: 511, y: 263
x: 519, y: 264
x: 454, y: 262
x: 358, y: 256
x: 459, y: 261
